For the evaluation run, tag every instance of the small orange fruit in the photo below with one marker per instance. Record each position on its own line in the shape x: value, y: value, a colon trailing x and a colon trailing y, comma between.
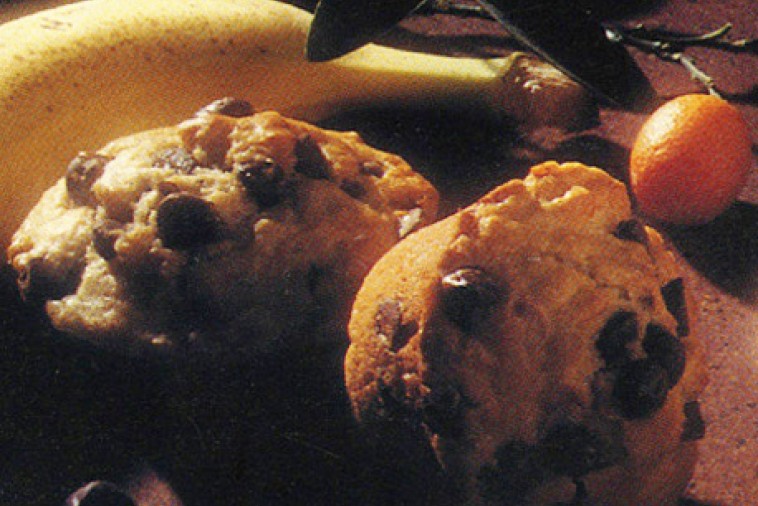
x: 690, y: 159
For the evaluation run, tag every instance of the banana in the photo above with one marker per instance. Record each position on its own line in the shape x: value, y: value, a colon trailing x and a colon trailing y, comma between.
x: 76, y: 76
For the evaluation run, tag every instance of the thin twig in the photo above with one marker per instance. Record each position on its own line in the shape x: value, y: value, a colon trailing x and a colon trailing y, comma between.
x: 714, y: 38
x: 697, y: 74
x: 680, y: 38
x: 671, y: 48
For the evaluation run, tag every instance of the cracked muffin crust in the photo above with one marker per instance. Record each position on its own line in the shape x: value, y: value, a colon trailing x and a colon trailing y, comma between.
x: 232, y: 230
x: 539, y: 343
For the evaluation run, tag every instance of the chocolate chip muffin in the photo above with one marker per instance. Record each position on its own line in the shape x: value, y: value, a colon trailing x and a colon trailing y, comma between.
x: 538, y: 342
x: 234, y: 230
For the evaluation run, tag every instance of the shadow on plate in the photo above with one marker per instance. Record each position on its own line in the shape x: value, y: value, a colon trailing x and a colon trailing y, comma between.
x: 459, y: 152
x: 68, y: 413
x: 279, y: 432
x: 465, y: 154
x: 695, y: 502
x: 725, y: 250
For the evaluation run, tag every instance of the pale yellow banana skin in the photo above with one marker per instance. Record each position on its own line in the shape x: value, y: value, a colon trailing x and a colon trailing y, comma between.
x: 74, y: 77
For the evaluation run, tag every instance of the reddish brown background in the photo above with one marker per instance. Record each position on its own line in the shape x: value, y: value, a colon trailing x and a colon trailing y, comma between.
x: 720, y: 259
x: 465, y: 157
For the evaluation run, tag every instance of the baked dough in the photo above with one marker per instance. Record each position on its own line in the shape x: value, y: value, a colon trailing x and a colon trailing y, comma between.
x: 538, y: 340
x: 234, y: 230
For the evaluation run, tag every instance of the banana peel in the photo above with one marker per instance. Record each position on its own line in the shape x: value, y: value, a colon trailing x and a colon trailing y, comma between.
x: 77, y: 76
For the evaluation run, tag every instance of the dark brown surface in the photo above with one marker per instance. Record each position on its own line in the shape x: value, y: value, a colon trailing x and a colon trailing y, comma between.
x: 68, y: 415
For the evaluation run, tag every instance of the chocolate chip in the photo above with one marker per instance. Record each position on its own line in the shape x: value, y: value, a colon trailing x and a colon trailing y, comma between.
x: 388, y: 318
x: 178, y: 159
x: 99, y: 493
x: 676, y: 304
x: 616, y: 334
x: 311, y: 161
x: 38, y: 282
x: 572, y: 449
x: 390, y: 405
x: 694, y: 425
x: 168, y: 187
x: 641, y: 388
x: 665, y: 349
x: 262, y: 178
x: 404, y: 334
x: 372, y: 168
x: 228, y: 106
x: 631, y: 230
x: 442, y: 411
x: 353, y: 188
x: 186, y: 221
x: 468, y: 294
x: 81, y: 174
x: 104, y: 236
x: 388, y: 322
x: 517, y: 471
